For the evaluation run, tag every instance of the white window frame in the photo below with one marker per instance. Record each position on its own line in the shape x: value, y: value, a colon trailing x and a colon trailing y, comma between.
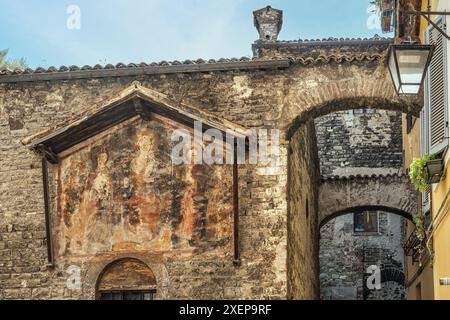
x: 441, y: 147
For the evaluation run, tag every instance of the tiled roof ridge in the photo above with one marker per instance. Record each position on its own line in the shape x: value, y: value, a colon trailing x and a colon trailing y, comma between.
x: 363, y: 177
x: 338, y: 58
x: 122, y: 65
x: 375, y: 38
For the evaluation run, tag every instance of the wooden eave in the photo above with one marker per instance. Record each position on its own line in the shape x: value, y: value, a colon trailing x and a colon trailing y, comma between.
x: 133, y: 101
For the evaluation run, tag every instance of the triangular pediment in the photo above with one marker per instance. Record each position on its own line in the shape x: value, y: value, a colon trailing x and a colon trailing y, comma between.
x: 135, y: 100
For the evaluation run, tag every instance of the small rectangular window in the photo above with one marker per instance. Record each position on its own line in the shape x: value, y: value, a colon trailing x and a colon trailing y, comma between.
x: 365, y: 222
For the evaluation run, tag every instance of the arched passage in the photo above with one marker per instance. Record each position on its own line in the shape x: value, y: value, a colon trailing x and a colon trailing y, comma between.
x: 354, y: 255
x: 408, y: 106
x: 395, y: 211
x: 313, y: 201
x: 390, y: 193
x: 126, y: 279
x: 340, y: 83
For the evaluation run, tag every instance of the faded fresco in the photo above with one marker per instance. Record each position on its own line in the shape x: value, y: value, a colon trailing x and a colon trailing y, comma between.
x: 120, y: 192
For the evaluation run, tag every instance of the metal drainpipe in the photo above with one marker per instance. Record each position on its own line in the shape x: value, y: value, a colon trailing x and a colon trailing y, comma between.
x: 50, y: 257
x: 427, y: 243
x: 237, y: 257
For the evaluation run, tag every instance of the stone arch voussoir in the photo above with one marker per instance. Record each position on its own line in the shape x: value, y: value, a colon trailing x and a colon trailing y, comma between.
x: 339, y: 87
x: 391, y: 193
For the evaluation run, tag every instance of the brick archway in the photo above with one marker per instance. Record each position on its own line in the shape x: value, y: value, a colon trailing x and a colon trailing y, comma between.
x: 345, y: 211
x: 330, y: 86
x: 348, y: 104
x: 391, y: 193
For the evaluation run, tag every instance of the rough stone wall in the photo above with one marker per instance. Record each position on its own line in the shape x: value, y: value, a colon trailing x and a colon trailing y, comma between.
x: 186, y: 273
x: 392, y: 193
x: 314, y: 48
x: 345, y: 257
x: 354, y: 143
x: 254, y: 99
x: 360, y: 143
x: 302, y: 215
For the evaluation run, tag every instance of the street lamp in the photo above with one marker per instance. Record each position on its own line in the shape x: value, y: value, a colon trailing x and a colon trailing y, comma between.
x: 408, y: 64
x: 408, y: 61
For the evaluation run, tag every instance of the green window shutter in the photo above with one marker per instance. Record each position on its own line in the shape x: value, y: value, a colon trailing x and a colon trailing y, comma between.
x: 436, y: 95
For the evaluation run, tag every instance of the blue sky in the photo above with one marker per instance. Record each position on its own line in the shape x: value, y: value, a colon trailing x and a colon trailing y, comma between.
x: 152, y: 30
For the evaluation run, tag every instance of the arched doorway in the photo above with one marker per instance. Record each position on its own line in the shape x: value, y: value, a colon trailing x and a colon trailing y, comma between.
x: 126, y: 279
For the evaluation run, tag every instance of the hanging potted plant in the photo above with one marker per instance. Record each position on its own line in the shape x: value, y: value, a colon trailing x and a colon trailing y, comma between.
x: 418, y: 172
x: 435, y: 169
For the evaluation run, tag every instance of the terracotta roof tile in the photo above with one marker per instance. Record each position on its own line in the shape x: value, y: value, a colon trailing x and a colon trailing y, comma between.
x: 364, y: 177
x: 223, y: 64
x: 302, y: 60
x: 339, y: 58
x: 121, y: 65
x: 375, y: 38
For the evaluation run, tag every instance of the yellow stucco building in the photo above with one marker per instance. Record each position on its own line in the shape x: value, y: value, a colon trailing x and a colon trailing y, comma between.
x: 428, y: 272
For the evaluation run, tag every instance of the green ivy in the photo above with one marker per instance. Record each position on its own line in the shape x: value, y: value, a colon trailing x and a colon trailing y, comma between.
x: 418, y: 173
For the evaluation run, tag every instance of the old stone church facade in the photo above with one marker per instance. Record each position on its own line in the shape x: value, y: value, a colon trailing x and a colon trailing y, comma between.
x: 92, y: 207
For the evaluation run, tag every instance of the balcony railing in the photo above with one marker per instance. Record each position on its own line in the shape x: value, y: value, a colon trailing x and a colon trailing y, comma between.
x: 416, y: 248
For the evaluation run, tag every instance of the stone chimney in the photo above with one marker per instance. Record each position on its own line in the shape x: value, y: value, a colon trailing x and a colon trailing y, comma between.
x: 268, y: 22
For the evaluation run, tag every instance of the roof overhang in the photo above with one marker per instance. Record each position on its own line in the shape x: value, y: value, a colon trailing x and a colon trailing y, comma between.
x: 135, y: 100
x: 132, y: 70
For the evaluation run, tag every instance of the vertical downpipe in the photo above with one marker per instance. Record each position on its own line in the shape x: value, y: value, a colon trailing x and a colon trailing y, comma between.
x: 50, y: 258
x: 237, y: 258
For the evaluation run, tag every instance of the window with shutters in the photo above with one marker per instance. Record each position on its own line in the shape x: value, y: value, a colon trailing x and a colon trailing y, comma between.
x: 436, y: 90
x: 434, y: 117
